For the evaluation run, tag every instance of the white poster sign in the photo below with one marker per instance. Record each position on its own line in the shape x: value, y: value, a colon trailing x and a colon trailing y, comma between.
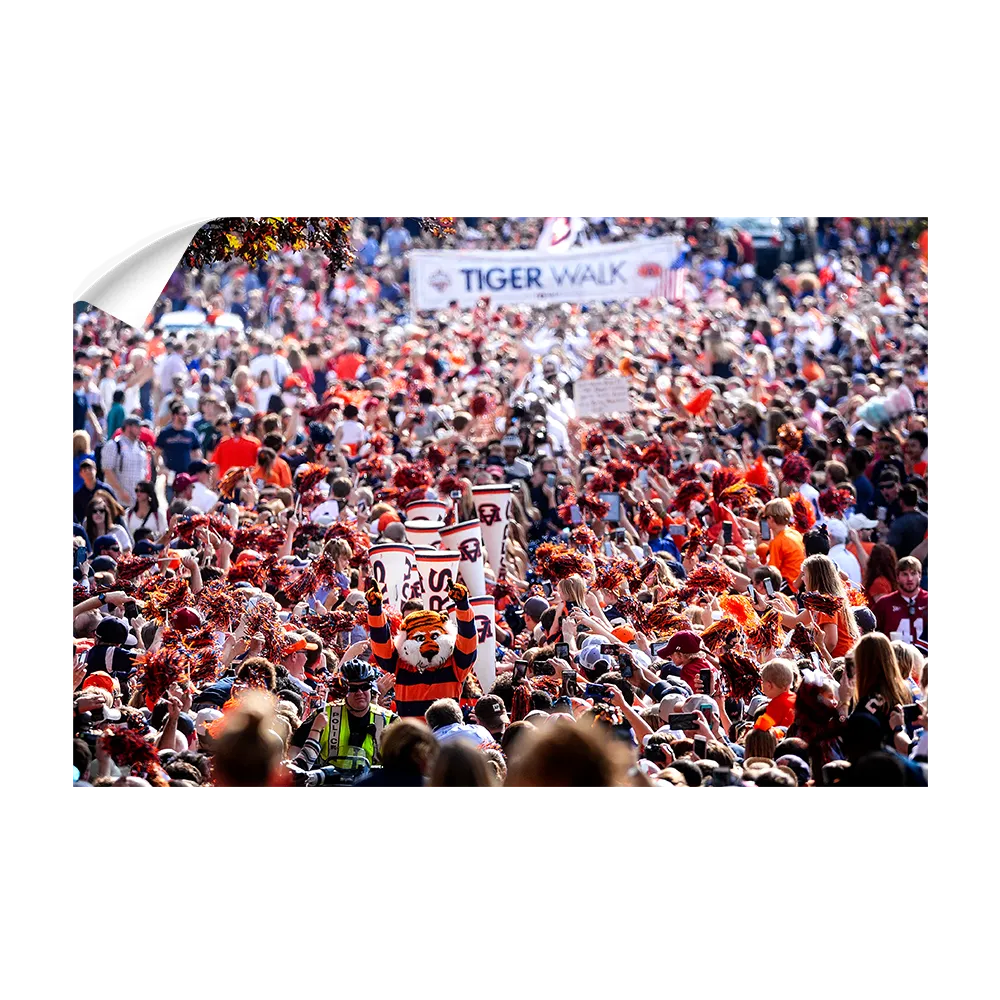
x: 606, y: 272
x: 599, y: 397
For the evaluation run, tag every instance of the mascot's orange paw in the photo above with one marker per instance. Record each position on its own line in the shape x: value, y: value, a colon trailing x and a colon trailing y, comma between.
x: 457, y: 591
x: 373, y: 595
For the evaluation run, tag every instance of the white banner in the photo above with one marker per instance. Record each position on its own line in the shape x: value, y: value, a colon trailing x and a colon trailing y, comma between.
x: 611, y: 271
x: 598, y: 397
x: 486, y: 653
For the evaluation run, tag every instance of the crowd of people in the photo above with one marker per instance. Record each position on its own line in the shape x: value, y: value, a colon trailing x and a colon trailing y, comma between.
x: 724, y: 586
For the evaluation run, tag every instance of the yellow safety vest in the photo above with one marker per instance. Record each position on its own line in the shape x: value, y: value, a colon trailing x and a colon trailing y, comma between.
x: 334, y: 740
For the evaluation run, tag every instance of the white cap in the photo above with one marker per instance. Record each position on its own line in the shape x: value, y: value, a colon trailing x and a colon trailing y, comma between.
x: 203, y: 718
x: 837, y: 530
x: 859, y: 521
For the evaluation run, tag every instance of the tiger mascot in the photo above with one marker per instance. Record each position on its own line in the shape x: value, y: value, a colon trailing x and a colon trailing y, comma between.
x: 431, y: 658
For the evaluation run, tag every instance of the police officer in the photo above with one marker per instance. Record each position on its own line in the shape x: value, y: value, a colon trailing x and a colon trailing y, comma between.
x: 344, y: 736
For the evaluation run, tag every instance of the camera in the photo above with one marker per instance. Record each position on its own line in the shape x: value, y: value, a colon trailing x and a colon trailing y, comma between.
x: 562, y: 650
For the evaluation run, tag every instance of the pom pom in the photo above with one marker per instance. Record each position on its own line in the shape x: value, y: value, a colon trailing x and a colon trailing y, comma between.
x: 835, y: 500
x: 691, y: 492
x: 757, y: 474
x: 739, y: 496
x: 219, y: 604
x: 802, y: 640
x: 593, y: 440
x: 722, y: 633
x: 131, y: 751
x: 768, y: 633
x: 481, y: 404
x: 699, y: 403
x: 621, y: 472
x: 803, y: 515
x: 413, y: 475
x: 795, y: 468
x: 822, y: 604
x: 692, y: 543
x: 789, y: 438
x: 740, y: 607
x: 856, y: 598
x: 647, y: 519
x: 235, y: 477
x: 583, y: 537
x: 711, y: 577
x: 130, y: 568
x: 520, y: 701
x: 159, y: 669
x: 601, y: 482
x: 593, y: 505
x: 739, y: 673
x: 310, y: 475
x: 557, y: 561
x: 664, y: 619
x: 436, y: 457
x: 439, y: 225
x: 722, y: 479
x: 610, y: 573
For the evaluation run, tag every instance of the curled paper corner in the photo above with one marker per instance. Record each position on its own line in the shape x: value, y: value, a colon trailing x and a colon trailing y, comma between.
x: 129, y: 289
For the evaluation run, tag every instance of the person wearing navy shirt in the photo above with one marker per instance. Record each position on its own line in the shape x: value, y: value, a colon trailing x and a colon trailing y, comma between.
x: 178, y: 446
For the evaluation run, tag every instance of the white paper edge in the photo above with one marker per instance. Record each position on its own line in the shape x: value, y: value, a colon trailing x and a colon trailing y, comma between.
x: 129, y: 289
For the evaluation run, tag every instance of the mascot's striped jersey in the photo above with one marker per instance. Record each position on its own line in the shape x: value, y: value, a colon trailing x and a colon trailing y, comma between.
x: 430, y: 657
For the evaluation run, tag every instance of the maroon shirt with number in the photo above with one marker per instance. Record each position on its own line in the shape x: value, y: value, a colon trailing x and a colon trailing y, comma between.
x: 893, y: 609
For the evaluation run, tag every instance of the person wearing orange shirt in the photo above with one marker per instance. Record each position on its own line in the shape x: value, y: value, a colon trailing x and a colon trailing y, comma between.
x: 787, y: 550
x: 271, y: 470
x: 776, y: 679
x: 240, y: 450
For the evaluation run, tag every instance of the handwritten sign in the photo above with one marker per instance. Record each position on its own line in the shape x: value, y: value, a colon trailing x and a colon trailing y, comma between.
x: 598, y: 397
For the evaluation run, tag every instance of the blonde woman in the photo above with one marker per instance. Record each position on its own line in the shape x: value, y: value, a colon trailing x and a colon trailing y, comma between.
x: 837, y: 632
x: 911, y: 664
x: 572, y: 593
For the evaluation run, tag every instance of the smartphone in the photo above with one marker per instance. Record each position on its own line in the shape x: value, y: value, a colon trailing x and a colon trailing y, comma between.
x: 910, y: 716
x: 568, y: 687
x: 609, y: 649
x: 727, y: 532
x: 644, y: 478
x: 619, y: 534
x: 562, y: 650
x: 520, y: 669
x: 625, y: 667
x: 456, y: 494
x: 700, y: 747
x: 765, y: 531
x: 615, y: 501
x: 595, y: 691
x: 587, y: 478
x: 575, y: 516
x: 131, y: 610
x: 682, y: 720
x: 658, y: 647
x: 676, y: 529
x: 551, y: 479
x: 706, y: 680
x: 769, y: 587
x: 609, y: 550
x: 547, y: 588
x: 880, y: 514
x: 751, y: 594
x: 722, y: 777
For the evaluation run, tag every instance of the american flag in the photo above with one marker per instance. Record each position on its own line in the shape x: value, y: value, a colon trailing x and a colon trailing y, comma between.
x: 675, y: 281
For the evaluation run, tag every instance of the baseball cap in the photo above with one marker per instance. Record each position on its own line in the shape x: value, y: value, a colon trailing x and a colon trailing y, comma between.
x: 132, y: 421
x: 536, y: 607
x: 491, y: 711
x: 185, y: 619
x: 625, y: 633
x: 103, y: 542
x: 591, y: 657
x: 296, y: 641
x: 837, y: 530
x: 103, y: 564
x: 520, y: 468
x: 203, y: 718
x: 684, y: 641
x: 111, y: 632
x: 858, y: 521
x: 865, y: 620
x: 511, y: 441
x: 669, y: 704
x: 182, y: 482
x: 144, y: 547
x: 199, y: 466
